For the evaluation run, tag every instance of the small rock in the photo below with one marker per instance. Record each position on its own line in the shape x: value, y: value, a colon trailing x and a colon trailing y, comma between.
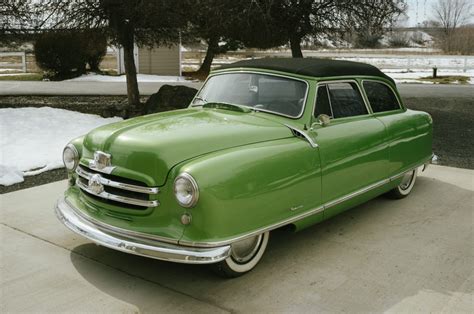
x: 170, y: 97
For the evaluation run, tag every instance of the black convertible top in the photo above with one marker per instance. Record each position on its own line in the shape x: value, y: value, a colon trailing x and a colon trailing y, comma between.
x: 311, y: 67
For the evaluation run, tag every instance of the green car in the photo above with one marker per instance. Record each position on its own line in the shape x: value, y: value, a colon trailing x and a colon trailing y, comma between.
x: 265, y: 143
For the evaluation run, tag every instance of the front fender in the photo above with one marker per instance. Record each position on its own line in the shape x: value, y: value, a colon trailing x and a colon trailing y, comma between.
x: 246, y: 188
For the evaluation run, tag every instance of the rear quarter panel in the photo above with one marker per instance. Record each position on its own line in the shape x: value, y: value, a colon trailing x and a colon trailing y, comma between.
x: 409, y: 134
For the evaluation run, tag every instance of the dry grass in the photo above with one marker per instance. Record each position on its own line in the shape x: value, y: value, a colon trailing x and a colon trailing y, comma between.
x: 460, y: 41
x: 454, y: 79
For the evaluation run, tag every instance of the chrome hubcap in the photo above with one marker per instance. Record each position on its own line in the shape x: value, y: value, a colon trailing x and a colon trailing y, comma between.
x: 407, y: 179
x: 243, y: 251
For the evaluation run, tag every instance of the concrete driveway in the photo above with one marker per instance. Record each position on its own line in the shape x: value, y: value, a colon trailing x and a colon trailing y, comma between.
x: 410, y: 255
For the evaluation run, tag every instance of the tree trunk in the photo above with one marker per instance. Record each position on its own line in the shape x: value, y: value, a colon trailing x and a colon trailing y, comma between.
x: 296, y: 47
x: 212, y: 46
x: 133, y: 93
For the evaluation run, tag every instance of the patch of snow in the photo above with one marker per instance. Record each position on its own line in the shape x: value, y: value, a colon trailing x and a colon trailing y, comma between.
x: 32, y: 139
x: 92, y: 77
x: 10, y: 175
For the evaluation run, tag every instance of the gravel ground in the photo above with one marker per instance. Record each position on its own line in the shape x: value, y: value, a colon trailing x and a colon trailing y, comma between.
x: 453, y: 120
x: 453, y: 125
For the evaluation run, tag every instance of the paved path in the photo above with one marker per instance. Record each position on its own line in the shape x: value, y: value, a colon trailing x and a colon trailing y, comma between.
x: 411, y: 255
x: 148, y: 88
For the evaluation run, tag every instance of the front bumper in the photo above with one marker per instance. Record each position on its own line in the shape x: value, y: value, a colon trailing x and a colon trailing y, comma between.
x: 124, y: 242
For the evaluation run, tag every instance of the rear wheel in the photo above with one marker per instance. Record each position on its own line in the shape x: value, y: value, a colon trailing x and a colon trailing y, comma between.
x: 244, y: 256
x: 405, y: 186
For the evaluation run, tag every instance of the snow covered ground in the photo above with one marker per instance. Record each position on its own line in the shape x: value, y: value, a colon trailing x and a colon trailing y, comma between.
x: 32, y: 139
x: 401, y: 77
x: 92, y: 77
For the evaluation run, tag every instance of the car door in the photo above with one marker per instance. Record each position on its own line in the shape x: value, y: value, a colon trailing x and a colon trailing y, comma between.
x: 352, y: 149
x: 406, y: 130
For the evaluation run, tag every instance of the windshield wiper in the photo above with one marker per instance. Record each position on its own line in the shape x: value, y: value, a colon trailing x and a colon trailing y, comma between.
x: 227, y: 106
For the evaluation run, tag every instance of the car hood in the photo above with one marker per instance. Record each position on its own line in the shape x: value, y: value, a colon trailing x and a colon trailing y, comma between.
x: 149, y: 146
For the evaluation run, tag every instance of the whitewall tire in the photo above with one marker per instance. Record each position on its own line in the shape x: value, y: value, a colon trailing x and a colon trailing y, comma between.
x: 405, y: 186
x: 244, y: 256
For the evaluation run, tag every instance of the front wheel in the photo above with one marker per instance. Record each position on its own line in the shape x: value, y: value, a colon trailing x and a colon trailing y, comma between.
x: 244, y: 256
x: 405, y: 187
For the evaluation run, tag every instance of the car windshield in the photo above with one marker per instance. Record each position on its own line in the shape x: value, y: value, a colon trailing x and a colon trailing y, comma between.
x: 280, y: 95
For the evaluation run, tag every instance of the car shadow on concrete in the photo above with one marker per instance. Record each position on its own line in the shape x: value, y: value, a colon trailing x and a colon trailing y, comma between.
x: 382, y: 255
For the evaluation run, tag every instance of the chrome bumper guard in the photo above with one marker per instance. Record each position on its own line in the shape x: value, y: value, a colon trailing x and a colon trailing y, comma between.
x: 432, y: 161
x: 134, y: 245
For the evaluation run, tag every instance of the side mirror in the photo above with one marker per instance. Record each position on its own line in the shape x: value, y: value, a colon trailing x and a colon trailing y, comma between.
x: 324, y: 119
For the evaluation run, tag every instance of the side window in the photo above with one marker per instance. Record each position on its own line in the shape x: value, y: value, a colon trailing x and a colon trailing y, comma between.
x: 381, y: 97
x: 322, y: 102
x: 346, y: 100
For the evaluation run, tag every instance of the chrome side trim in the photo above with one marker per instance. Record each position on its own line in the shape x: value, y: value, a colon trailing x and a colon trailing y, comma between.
x: 120, y: 185
x: 152, y: 249
x: 356, y: 193
x: 304, y: 214
x: 118, y: 198
x: 254, y: 232
x: 303, y: 134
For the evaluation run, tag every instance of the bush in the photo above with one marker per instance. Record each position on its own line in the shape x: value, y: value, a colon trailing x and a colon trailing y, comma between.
x: 65, y: 54
x: 367, y: 41
x: 60, y: 54
x: 94, y: 46
x: 399, y: 40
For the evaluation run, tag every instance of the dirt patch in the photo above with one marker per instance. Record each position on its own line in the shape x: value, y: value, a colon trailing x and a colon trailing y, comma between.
x: 31, y: 181
x: 105, y: 106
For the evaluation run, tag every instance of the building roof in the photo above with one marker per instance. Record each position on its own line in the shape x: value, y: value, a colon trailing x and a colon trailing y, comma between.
x: 311, y: 67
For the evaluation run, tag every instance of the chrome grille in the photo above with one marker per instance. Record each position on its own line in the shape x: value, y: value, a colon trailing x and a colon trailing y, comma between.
x: 117, y: 190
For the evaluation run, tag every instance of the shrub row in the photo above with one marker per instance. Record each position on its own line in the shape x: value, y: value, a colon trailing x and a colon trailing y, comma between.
x: 66, y: 54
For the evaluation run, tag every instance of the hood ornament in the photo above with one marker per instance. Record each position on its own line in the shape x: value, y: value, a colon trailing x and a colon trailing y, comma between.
x: 95, y: 185
x: 101, y: 162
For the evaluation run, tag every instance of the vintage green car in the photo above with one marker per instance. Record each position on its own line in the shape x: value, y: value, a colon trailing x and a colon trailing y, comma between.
x: 265, y: 143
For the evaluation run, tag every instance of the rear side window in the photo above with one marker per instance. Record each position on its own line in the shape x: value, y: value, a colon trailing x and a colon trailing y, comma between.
x: 345, y: 100
x: 381, y: 97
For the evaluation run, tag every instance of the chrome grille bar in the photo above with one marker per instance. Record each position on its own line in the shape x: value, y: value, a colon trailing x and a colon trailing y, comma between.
x: 118, y: 198
x: 119, y: 185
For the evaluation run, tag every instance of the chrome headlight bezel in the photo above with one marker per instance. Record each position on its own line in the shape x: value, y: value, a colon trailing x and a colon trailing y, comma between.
x: 75, y: 157
x: 186, y: 178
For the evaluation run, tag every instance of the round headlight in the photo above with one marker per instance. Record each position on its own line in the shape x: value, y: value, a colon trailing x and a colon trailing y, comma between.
x: 186, y: 190
x: 70, y: 157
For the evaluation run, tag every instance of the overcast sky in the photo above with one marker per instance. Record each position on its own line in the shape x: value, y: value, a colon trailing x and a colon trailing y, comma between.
x: 420, y: 10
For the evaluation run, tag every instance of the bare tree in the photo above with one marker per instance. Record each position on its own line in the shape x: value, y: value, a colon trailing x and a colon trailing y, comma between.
x: 369, y: 20
x: 452, y: 13
x: 17, y: 18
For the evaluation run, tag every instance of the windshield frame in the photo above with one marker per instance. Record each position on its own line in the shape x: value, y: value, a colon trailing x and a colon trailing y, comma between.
x: 260, y: 109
